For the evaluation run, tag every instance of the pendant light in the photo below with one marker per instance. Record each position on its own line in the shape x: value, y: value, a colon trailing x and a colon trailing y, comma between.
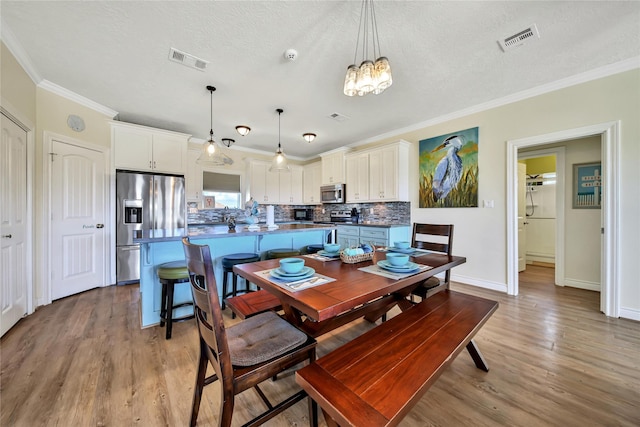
x: 371, y: 76
x: 279, y: 162
x: 212, y: 155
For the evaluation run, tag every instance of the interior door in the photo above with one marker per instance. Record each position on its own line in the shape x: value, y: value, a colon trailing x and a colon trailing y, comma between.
x: 522, y: 216
x: 13, y: 224
x: 77, y: 219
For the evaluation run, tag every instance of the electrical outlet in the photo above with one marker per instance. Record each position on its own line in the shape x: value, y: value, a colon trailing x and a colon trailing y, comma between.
x: 371, y: 211
x: 487, y: 203
x: 322, y: 210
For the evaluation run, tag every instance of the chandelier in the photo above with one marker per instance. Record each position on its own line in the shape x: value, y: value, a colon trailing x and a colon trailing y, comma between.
x: 369, y: 77
x: 212, y: 155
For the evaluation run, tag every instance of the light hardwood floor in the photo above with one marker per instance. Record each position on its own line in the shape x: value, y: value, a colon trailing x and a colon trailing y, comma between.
x: 554, y: 359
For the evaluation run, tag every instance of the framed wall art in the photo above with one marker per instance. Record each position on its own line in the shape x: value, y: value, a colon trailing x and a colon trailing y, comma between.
x: 587, y: 185
x: 448, y: 170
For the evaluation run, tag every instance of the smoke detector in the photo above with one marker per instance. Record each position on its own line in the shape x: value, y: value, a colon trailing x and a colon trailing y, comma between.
x: 520, y: 38
x: 291, y: 54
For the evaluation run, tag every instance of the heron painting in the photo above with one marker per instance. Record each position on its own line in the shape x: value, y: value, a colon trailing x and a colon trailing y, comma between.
x: 449, y: 170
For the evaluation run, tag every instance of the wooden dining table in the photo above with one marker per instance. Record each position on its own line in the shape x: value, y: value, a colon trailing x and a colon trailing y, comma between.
x: 353, y: 294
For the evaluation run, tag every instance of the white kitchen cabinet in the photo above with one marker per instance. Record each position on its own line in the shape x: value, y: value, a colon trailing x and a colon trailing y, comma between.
x: 333, y: 167
x: 312, y: 179
x: 291, y: 186
x: 193, y: 176
x: 357, y: 177
x: 389, y: 173
x: 283, y: 188
x: 147, y: 149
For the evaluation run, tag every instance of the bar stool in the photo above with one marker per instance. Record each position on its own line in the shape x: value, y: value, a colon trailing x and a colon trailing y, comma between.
x: 312, y: 249
x: 228, y: 261
x: 169, y: 274
x: 281, y: 253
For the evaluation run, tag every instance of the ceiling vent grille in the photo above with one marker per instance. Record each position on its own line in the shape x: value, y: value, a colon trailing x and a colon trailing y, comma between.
x: 338, y: 117
x: 187, y: 60
x: 520, y: 38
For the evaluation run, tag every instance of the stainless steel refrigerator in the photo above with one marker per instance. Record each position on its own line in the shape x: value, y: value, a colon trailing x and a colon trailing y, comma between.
x: 144, y: 202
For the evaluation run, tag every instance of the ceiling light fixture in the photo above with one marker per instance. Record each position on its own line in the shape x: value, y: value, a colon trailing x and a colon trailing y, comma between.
x: 243, y: 130
x: 212, y: 154
x: 279, y: 162
x: 370, y: 77
x: 309, y: 136
x: 228, y: 142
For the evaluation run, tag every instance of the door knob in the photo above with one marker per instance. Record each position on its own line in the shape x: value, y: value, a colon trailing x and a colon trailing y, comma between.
x: 6, y: 236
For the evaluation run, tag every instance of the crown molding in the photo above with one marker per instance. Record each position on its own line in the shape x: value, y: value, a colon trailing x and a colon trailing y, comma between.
x: 18, y: 52
x: 587, y: 76
x: 79, y: 99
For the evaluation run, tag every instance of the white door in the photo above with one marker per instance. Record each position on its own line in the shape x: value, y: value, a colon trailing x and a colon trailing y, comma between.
x: 77, y: 219
x: 522, y: 216
x: 13, y: 224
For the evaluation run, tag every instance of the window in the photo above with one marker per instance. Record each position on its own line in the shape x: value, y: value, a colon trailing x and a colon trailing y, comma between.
x: 224, y: 188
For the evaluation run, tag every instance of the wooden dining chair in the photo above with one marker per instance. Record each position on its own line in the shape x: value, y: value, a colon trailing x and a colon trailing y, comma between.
x: 243, y: 355
x: 436, y: 238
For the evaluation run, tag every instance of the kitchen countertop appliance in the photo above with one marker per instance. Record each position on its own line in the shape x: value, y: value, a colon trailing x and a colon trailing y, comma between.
x: 303, y: 214
x: 344, y: 217
x: 144, y: 202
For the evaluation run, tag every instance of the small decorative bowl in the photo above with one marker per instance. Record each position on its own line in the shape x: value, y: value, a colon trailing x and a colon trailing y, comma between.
x: 291, y: 265
x: 331, y: 247
x: 402, y: 245
x: 397, y: 260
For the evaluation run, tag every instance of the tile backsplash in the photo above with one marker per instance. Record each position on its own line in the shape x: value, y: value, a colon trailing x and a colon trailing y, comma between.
x: 384, y: 213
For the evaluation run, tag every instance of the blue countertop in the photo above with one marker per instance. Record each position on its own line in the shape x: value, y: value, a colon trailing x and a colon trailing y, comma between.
x: 217, y: 231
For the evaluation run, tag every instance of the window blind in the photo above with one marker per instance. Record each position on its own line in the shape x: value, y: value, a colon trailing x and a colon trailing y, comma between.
x: 223, y: 182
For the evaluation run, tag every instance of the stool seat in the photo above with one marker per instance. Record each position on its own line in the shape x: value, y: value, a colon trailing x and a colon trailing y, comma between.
x: 173, y: 270
x: 228, y: 261
x: 169, y: 274
x: 282, y: 253
x: 240, y: 258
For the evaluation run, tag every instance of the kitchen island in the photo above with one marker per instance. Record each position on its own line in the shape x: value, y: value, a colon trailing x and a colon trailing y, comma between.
x: 160, y: 246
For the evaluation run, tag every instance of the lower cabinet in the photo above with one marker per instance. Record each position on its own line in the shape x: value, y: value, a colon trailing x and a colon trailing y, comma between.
x: 353, y: 235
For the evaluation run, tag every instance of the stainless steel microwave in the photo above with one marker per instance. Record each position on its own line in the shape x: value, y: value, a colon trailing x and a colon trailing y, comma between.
x: 334, y: 193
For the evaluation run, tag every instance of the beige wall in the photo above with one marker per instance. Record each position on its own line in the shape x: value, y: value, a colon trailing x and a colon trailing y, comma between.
x: 16, y: 87
x: 480, y: 233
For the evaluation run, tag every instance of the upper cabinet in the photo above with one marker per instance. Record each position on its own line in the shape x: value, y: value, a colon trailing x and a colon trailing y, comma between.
x: 312, y: 180
x: 379, y: 174
x: 357, y: 181
x: 333, y: 167
x: 283, y: 188
x: 147, y: 149
x: 193, y: 176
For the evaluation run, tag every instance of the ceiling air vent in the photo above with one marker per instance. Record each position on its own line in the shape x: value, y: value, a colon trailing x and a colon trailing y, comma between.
x: 187, y: 60
x: 520, y: 38
x: 338, y: 117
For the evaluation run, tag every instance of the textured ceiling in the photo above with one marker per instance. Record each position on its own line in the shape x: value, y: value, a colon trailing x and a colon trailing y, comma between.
x: 444, y: 56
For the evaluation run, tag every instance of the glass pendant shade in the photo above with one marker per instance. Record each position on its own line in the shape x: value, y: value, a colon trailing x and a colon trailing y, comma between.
x: 350, y: 81
x: 279, y: 162
x: 369, y: 77
x: 212, y: 155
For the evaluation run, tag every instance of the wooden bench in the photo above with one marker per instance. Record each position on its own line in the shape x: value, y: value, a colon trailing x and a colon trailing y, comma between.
x: 377, y: 378
x: 252, y: 303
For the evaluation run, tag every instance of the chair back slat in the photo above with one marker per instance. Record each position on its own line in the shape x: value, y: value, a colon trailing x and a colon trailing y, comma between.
x: 434, y: 237
x: 207, y: 308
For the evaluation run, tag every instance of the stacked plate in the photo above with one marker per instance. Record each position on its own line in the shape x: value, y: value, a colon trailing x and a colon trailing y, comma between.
x: 305, y: 273
x: 402, y: 251
x: 409, y: 267
x: 329, y: 254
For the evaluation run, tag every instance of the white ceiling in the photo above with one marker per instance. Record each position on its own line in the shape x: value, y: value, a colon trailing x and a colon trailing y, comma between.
x: 444, y: 56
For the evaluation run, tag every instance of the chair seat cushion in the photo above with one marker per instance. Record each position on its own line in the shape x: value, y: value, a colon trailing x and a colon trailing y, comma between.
x: 173, y: 270
x: 262, y: 337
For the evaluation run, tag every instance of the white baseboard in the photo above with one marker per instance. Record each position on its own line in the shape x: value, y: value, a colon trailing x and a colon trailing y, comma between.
x: 582, y: 284
x: 630, y: 313
x: 494, y: 286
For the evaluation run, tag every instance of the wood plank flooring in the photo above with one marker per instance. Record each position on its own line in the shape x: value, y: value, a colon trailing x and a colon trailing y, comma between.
x: 554, y: 360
